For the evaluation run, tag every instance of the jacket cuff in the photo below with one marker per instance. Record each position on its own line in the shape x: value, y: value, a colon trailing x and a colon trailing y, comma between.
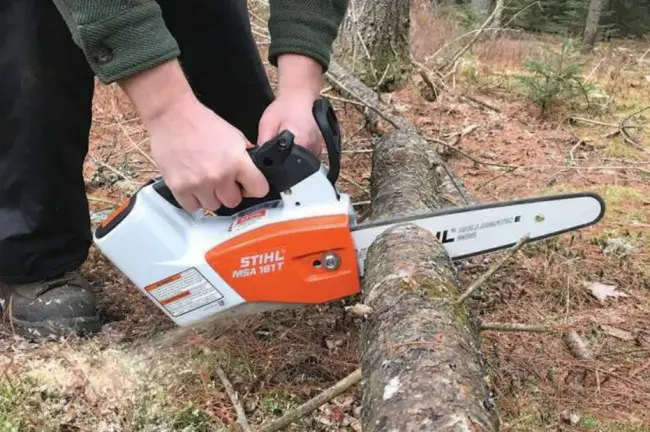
x: 128, y: 42
x: 297, y: 29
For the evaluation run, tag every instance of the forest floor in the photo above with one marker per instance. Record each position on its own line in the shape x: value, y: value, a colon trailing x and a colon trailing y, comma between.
x: 130, y: 378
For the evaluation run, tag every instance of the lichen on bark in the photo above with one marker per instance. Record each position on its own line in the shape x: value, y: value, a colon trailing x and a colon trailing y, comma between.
x: 421, y: 361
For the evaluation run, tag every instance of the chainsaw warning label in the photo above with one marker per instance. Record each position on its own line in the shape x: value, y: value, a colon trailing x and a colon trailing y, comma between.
x: 264, y: 263
x: 184, y: 292
x: 252, y: 215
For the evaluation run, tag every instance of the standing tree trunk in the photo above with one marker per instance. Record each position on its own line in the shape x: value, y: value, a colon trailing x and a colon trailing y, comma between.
x: 496, y: 21
x: 373, y: 42
x: 420, y: 352
x: 480, y: 6
x: 591, y: 27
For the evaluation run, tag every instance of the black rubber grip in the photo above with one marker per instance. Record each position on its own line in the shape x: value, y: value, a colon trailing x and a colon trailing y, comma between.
x: 328, y: 124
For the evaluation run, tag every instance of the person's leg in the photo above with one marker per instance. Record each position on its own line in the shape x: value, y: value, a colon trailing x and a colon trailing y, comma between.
x: 46, y: 90
x: 220, y: 59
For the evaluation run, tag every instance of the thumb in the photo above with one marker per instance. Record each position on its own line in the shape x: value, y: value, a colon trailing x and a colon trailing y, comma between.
x: 268, y: 127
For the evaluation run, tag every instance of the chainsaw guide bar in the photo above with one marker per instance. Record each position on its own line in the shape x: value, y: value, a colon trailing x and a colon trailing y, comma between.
x: 300, y: 245
x: 475, y: 230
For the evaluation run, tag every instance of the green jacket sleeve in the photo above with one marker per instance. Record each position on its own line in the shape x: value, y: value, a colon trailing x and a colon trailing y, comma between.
x: 119, y: 37
x: 307, y: 27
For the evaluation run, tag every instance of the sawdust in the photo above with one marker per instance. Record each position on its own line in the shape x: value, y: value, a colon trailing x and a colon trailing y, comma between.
x: 112, y: 374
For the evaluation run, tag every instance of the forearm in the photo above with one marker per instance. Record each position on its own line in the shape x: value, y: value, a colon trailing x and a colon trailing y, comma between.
x: 158, y: 90
x: 299, y: 73
x: 119, y: 38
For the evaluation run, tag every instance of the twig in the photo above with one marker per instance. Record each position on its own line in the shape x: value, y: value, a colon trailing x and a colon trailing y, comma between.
x: 496, y: 177
x: 473, y: 159
x: 516, y: 327
x: 626, y: 136
x: 107, y: 166
x: 356, y: 151
x: 102, y: 200
x: 332, y: 78
x: 455, y: 184
x: 241, y: 415
x: 480, y: 102
x: 463, y: 50
x: 353, y: 182
x: 427, y: 81
x: 596, y: 122
x: 487, y: 275
x: 313, y: 403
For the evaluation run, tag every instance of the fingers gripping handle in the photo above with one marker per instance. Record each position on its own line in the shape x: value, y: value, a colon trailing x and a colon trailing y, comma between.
x: 283, y: 163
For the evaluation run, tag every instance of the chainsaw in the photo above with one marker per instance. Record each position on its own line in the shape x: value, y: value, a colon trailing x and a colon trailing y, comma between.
x: 302, y: 246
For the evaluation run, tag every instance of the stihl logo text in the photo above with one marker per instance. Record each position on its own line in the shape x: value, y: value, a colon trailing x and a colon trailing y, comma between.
x: 252, y: 265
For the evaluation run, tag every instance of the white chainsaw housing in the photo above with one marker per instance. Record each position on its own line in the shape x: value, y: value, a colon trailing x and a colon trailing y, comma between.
x: 157, y: 240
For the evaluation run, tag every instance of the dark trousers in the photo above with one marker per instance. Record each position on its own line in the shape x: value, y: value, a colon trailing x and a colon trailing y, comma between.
x: 46, y: 91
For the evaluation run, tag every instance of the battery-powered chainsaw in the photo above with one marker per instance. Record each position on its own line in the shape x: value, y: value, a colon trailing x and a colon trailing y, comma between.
x: 301, y: 246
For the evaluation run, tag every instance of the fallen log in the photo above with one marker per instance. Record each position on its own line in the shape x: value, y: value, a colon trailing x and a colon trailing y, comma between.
x: 420, y: 352
x: 381, y: 119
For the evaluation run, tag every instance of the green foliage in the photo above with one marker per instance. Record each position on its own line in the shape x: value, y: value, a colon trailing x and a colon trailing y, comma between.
x: 566, y: 17
x: 627, y: 18
x: 555, y: 78
x: 463, y: 14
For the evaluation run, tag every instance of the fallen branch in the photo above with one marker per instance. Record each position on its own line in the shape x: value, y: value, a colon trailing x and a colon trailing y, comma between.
x: 481, y: 103
x: 516, y: 327
x: 595, y: 122
x: 313, y: 403
x: 351, y: 87
x: 488, y: 274
x: 626, y: 136
x: 232, y: 394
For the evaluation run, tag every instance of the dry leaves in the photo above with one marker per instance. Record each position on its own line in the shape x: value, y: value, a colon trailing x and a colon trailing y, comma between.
x: 602, y: 291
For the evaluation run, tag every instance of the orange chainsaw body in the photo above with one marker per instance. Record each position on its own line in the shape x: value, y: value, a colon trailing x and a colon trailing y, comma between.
x: 303, y: 261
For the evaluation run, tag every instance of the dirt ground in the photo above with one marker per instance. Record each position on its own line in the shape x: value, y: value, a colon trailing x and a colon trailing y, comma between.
x: 143, y: 374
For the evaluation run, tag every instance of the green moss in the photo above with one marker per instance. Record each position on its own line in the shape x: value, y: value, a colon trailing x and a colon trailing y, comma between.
x: 276, y: 404
x: 193, y: 419
x: 463, y: 315
x: 591, y: 424
x: 388, y: 71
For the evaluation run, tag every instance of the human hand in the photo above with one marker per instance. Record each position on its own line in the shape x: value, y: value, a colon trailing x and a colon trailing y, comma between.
x: 202, y: 158
x: 299, y: 84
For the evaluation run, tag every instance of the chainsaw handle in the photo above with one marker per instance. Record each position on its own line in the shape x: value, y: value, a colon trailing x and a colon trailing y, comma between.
x: 285, y: 164
x: 328, y: 124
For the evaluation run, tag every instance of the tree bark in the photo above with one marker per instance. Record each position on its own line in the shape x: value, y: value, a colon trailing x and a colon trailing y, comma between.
x: 591, y: 27
x: 496, y: 21
x: 373, y: 42
x: 420, y: 354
